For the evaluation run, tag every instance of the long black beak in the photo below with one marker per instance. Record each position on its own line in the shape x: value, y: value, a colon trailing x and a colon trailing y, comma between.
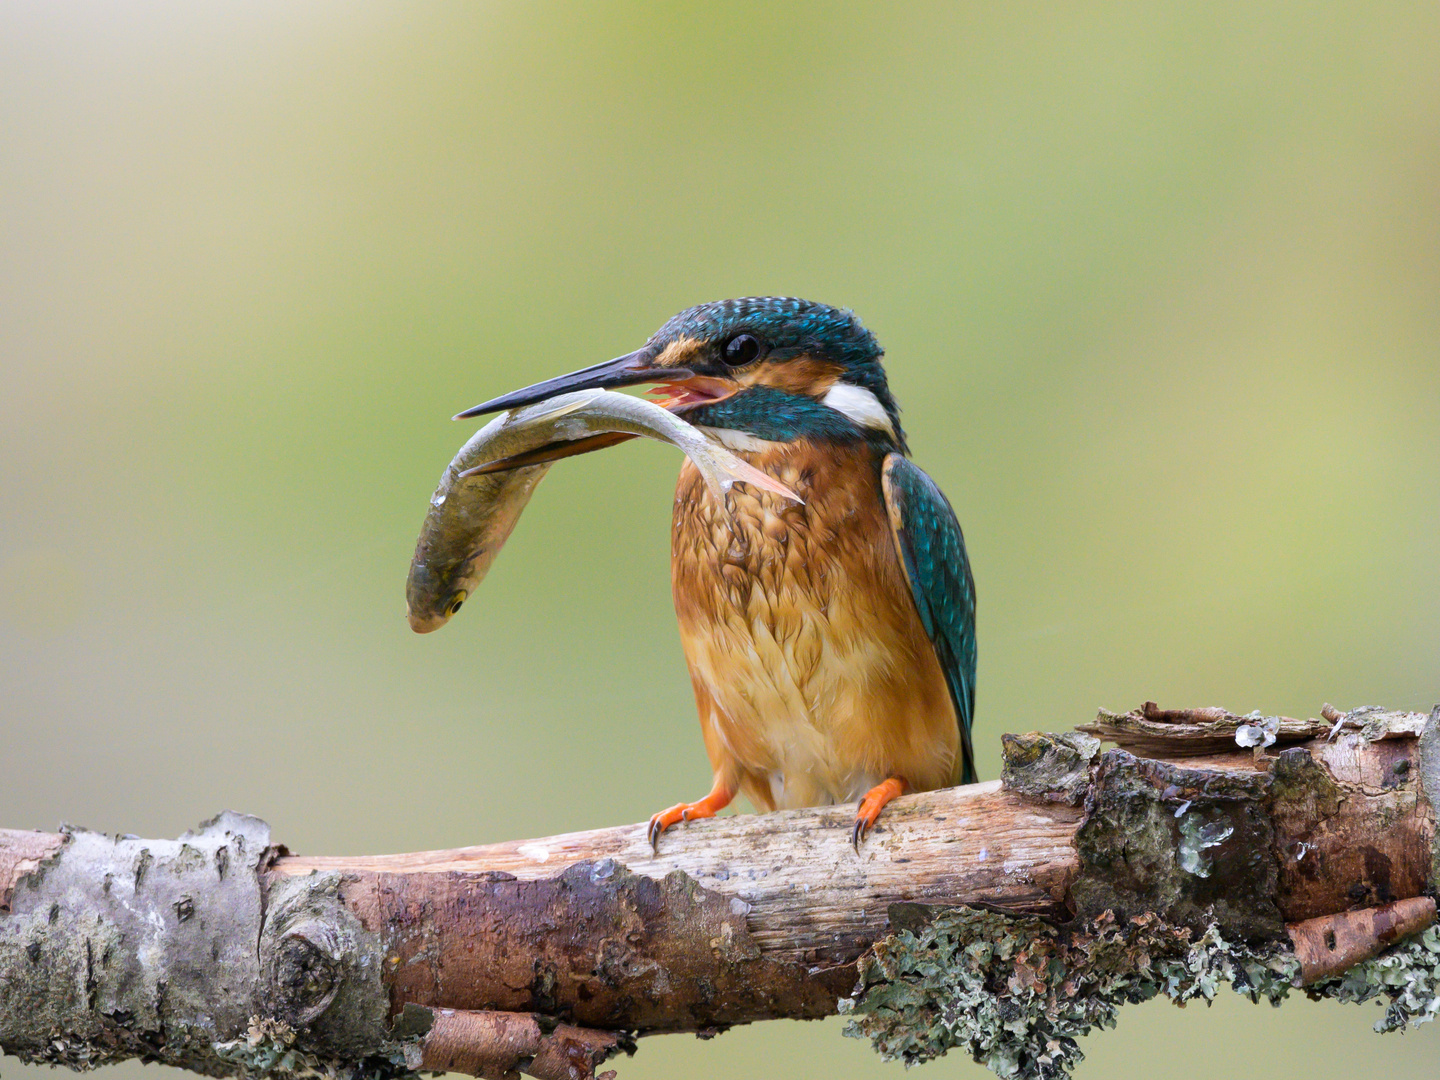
x: 624, y: 370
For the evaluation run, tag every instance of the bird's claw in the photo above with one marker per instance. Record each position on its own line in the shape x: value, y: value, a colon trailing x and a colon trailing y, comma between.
x: 677, y: 813
x: 861, y: 828
x: 870, y: 807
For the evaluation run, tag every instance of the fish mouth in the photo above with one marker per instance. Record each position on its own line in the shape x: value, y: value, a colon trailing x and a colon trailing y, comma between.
x: 427, y: 622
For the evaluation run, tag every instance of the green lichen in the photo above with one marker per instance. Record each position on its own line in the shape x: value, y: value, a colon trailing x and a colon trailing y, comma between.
x: 1407, y: 976
x: 1016, y: 993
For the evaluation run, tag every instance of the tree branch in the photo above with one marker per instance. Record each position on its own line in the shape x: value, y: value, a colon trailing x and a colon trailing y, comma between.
x: 222, y: 953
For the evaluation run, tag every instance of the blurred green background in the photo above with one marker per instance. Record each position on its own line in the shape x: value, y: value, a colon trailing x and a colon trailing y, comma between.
x: 1160, y: 289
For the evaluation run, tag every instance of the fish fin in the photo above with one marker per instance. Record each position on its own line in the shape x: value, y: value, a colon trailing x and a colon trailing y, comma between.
x: 745, y: 473
x: 729, y: 469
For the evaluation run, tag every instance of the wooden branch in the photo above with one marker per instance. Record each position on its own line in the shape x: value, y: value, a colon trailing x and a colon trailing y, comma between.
x: 805, y: 895
x: 496, y: 1045
x: 549, y: 955
x: 1189, y: 732
x: 1333, y: 944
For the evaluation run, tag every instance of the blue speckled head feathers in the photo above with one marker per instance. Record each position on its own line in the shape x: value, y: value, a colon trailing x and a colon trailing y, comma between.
x: 791, y: 328
x: 790, y: 324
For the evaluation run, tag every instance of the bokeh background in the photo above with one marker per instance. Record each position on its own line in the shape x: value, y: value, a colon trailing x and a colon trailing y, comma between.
x: 1160, y: 289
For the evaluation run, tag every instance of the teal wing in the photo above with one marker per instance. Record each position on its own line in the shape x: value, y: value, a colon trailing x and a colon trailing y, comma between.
x: 932, y: 547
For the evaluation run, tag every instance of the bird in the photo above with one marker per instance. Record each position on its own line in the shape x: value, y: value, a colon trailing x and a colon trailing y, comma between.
x: 831, y: 641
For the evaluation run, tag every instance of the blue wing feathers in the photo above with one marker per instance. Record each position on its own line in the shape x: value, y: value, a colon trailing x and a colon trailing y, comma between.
x: 932, y: 548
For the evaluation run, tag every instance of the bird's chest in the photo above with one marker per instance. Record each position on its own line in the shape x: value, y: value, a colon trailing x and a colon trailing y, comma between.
x: 753, y: 563
x: 796, y: 621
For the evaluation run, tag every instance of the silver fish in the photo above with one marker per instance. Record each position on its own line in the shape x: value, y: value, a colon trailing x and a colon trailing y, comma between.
x: 473, y: 510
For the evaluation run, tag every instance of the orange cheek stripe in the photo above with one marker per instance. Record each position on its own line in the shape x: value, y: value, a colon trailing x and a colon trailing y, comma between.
x: 678, y: 353
x: 805, y: 375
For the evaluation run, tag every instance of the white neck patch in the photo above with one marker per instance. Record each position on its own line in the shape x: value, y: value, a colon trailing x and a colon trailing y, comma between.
x: 859, y: 405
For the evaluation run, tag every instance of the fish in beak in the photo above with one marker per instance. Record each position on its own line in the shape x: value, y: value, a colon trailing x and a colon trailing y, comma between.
x: 677, y: 388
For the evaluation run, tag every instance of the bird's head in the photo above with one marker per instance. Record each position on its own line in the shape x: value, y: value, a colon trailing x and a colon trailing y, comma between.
x: 772, y: 368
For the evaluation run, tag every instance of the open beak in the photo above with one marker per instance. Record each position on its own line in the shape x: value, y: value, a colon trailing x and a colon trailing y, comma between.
x: 624, y: 370
x: 679, y: 387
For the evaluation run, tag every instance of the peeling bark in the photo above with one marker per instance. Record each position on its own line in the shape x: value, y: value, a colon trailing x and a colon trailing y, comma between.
x: 1333, y: 944
x: 497, y: 1045
x: 21, y: 854
x: 1155, y: 732
x: 223, y: 954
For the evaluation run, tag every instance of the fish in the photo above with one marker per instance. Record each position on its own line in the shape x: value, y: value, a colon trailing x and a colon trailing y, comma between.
x: 487, y: 486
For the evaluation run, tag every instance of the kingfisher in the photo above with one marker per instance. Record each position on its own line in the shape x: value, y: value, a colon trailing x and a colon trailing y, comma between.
x: 830, y: 642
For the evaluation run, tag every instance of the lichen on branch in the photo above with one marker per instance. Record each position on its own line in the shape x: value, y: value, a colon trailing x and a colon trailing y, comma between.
x: 1017, y: 993
x: 1406, y: 976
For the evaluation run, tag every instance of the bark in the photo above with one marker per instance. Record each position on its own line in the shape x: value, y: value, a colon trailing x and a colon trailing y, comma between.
x: 1333, y: 944
x: 222, y: 953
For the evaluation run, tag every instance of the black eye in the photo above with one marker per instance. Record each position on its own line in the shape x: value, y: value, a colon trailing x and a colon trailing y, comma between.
x: 742, y: 349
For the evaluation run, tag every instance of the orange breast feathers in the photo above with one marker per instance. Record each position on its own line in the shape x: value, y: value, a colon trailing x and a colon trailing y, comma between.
x: 813, y: 675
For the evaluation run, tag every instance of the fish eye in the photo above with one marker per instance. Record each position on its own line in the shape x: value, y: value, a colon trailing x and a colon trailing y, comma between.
x: 455, y: 602
x: 743, y: 349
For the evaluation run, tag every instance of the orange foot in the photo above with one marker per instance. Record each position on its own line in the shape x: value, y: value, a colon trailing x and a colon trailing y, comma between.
x: 870, y: 806
x: 719, y: 798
